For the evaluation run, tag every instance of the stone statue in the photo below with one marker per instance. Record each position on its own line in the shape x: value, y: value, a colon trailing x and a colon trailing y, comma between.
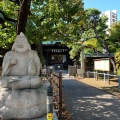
x: 22, y: 94
x: 21, y: 66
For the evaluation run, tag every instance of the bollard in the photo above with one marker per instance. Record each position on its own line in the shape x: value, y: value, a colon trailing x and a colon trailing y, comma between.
x: 49, y: 116
x: 49, y: 100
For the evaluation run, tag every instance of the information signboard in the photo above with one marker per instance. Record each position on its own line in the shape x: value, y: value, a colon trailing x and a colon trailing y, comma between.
x: 102, y: 64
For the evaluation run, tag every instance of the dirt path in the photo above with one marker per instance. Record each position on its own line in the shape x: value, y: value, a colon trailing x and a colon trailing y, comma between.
x: 112, y: 88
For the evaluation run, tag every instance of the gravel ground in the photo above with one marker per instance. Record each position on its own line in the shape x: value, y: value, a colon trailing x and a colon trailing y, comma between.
x: 111, y: 88
x: 85, y: 102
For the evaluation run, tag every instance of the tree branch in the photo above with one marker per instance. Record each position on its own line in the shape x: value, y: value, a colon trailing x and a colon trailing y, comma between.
x: 16, y: 2
x: 6, y: 18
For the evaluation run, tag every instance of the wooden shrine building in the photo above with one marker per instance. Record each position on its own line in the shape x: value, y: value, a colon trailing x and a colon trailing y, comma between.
x: 57, y: 54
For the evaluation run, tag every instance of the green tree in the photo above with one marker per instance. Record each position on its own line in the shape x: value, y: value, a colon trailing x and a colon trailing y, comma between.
x: 95, y: 27
x: 46, y: 20
x: 94, y: 21
x: 87, y: 39
x: 92, y: 46
x: 117, y: 62
x: 113, y: 40
x: 57, y: 19
x: 114, y: 43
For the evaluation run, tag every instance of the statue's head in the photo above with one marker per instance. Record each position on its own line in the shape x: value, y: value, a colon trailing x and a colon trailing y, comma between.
x: 21, y: 44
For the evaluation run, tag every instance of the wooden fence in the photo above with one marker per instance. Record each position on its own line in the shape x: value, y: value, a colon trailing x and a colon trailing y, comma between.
x: 56, y: 83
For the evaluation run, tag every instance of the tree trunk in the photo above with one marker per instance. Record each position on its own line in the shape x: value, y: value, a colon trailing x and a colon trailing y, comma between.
x: 106, y: 48
x: 40, y: 53
x: 23, y: 15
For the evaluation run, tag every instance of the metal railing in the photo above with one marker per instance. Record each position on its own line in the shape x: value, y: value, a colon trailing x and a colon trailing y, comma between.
x: 104, y: 75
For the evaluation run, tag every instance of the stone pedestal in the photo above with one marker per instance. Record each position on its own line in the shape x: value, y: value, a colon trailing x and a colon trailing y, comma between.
x: 23, y: 104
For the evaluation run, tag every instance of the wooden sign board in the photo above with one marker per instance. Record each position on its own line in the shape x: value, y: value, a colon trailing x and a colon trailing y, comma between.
x: 102, y: 64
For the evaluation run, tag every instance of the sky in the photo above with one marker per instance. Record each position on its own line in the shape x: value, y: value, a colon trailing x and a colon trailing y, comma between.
x: 103, y: 5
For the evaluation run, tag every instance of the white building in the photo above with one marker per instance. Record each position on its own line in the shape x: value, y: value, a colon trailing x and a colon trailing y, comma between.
x: 112, y: 16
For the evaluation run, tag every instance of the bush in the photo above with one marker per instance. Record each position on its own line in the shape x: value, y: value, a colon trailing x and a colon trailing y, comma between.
x: 117, y: 62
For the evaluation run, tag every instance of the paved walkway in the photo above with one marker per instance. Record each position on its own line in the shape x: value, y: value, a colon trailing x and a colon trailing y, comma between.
x: 85, y: 102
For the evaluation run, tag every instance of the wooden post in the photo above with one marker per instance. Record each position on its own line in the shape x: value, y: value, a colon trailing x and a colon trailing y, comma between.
x: 104, y: 78
x: 108, y: 78
x: 96, y: 76
x: 87, y: 74
x: 60, y: 94
x: 50, y: 72
x: 82, y: 63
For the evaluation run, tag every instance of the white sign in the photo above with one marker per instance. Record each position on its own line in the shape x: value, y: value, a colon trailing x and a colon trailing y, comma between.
x: 102, y: 64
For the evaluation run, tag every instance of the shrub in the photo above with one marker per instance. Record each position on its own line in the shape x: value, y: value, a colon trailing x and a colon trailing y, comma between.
x: 117, y: 62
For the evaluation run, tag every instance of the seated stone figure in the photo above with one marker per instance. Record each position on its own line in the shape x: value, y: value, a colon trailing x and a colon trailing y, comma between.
x: 21, y: 66
x: 22, y: 94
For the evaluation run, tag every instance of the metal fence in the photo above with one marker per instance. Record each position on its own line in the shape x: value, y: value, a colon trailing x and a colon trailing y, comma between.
x: 105, y: 75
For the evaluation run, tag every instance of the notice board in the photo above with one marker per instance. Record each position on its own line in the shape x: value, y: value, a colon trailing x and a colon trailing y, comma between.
x: 102, y: 64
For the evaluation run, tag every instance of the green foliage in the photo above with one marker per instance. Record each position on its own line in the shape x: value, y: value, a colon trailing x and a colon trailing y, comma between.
x: 113, y: 40
x: 9, y: 8
x: 49, y: 20
x: 86, y: 38
x: 7, y: 35
x: 117, y: 62
x: 92, y: 46
x: 7, y: 29
x: 75, y: 50
x: 54, y: 20
x: 94, y: 20
x: 58, y: 20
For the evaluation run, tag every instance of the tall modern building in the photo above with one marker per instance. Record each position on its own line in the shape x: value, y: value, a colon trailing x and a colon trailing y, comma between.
x: 112, y: 16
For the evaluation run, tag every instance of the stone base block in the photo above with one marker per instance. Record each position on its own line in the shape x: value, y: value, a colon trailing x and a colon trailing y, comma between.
x: 23, y: 104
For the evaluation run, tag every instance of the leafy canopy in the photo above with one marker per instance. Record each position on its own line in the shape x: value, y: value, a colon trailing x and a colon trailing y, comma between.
x: 87, y: 37
x: 113, y: 41
x: 49, y: 20
x: 7, y: 28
